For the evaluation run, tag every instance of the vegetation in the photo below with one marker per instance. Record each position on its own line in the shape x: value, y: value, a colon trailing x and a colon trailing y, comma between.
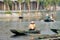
x: 8, y: 12
x: 36, y: 14
x: 28, y: 4
x: 8, y: 3
x: 46, y: 4
x: 9, y: 6
x: 20, y: 1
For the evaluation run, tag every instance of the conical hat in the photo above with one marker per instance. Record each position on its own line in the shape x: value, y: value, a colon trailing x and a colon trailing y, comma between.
x: 32, y: 22
x: 47, y: 15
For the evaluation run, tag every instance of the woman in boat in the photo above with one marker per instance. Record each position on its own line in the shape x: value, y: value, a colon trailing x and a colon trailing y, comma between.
x: 32, y: 26
x: 51, y: 18
x: 47, y: 16
x: 47, y: 19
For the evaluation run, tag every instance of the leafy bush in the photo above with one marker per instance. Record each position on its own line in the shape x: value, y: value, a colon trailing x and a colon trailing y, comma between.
x: 8, y: 12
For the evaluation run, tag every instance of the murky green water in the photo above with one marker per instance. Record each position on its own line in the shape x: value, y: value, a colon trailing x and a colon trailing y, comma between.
x: 14, y: 23
x: 5, y: 27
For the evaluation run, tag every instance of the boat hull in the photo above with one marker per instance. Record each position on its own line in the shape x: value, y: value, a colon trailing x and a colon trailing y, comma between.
x: 46, y: 20
x: 56, y: 30
x: 16, y: 32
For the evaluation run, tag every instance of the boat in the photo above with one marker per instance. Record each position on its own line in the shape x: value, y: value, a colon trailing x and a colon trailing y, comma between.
x: 31, y: 30
x: 56, y: 30
x: 48, y: 18
x: 20, y: 17
x: 19, y: 32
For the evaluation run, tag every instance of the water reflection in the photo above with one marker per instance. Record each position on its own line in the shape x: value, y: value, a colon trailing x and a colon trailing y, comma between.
x: 32, y: 38
x: 14, y: 36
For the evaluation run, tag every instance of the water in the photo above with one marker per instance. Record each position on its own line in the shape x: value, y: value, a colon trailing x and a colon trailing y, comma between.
x: 14, y: 23
x: 5, y: 27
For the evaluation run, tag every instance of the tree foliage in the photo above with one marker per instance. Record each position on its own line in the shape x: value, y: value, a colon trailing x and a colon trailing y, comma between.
x: 8, y: 2
x: 20, y: 1
x: 27, y: 1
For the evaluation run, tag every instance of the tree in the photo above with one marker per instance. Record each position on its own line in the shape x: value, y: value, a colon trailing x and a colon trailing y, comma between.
x: 20, y: 1
x: 38, y: 1
x: 47, y: 4
x: 55, y: 3
x: 8, y: 3
x: 59, y: 3
x: 5, y: 2
x: 28, y: 4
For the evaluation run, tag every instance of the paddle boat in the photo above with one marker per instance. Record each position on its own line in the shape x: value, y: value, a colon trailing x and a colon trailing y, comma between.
x: 31, y: 30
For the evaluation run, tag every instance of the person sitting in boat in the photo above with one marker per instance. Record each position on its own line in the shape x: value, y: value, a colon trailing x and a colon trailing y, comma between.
x: 47, y: 19
x: 32, y: 26
x: 47, y: 16
x: 51, y: 18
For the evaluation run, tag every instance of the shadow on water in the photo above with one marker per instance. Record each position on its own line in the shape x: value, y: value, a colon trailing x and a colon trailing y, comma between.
x: 15, y: 36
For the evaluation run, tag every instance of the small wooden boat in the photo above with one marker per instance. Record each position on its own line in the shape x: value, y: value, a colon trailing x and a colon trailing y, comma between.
x: 46, y: 20
x: 19, y: 32
x: 20, y: 17
x: 56, y: 30
x: 49, y: 19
